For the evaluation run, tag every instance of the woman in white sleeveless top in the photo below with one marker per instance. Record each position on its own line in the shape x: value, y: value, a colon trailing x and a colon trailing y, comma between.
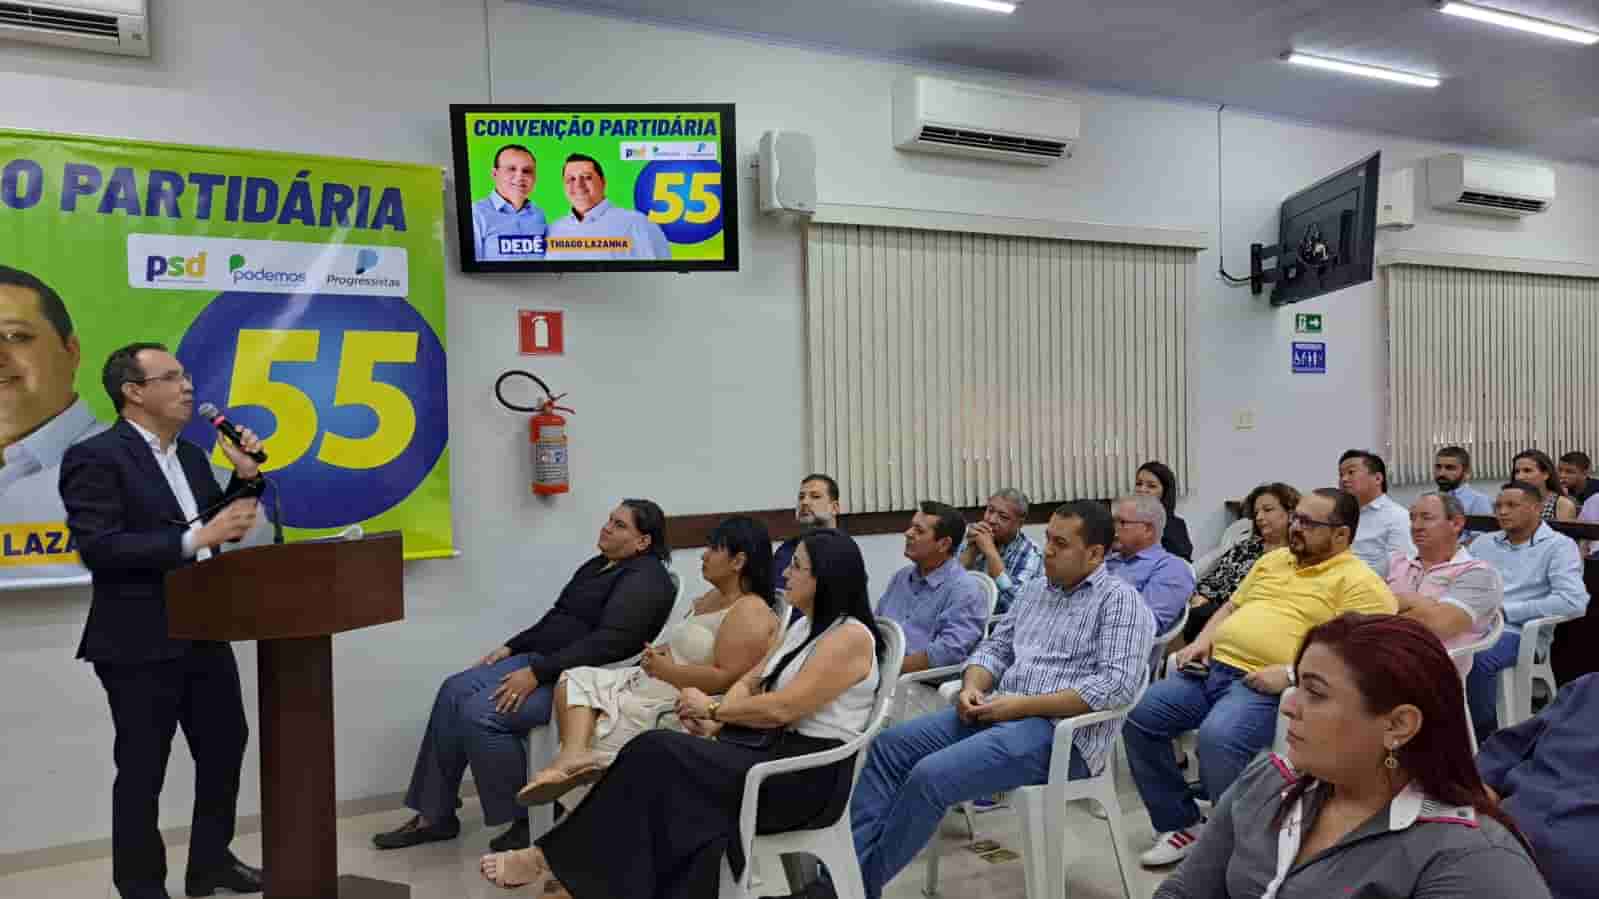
x: 672, y: 799
x: 725, y: 633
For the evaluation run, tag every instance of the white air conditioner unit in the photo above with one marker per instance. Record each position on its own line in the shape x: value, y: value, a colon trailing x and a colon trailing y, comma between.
x: 1489, y: 186
x: 101, y: 26
x: 932, y: 115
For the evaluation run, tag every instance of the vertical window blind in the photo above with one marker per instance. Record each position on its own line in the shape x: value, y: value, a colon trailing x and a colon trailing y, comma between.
x: 945, y: 365
x: 1496, y: 362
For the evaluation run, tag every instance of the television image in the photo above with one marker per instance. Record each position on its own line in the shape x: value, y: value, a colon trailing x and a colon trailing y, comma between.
x: 1327, y: 237
x: 596, y: 188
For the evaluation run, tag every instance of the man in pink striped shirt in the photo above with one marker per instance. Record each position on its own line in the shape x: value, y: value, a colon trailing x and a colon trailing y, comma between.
x: 1442, y: 586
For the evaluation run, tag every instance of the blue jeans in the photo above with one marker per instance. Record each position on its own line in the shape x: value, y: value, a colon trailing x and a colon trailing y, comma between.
x: 1234, y: 723
x: 917, y: 770
x: 464, y: 729
x: 1482, y: 684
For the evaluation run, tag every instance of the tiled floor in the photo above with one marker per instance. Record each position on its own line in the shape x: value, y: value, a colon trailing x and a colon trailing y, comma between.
x: 450, y: 870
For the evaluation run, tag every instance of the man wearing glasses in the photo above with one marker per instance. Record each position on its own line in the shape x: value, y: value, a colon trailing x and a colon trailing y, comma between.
x: 1164, y: 580
x: 1229, y: 678
x: 134, y: 497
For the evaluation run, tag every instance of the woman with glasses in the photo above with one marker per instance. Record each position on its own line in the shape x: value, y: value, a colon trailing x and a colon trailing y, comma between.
x: 1156, y: 479
x: 1536, y: 468
x: 661, y: 819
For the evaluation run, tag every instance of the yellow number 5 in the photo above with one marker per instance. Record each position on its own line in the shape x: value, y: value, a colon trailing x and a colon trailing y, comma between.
x: 699, y: 191
x: 396, y: 415
x: 252, y: 382
x: 664, y: 182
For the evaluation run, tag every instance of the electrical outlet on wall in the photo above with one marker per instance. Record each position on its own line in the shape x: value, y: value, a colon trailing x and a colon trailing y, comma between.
x: 1244, y: 420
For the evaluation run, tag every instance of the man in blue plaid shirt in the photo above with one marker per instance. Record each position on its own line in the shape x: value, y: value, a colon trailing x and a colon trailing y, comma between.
x: 997, y: 547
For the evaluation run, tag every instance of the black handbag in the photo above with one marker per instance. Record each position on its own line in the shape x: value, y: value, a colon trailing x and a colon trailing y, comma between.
x: 749, y: 737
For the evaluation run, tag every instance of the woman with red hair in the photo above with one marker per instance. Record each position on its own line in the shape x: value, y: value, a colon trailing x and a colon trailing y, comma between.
x: 1379, y: 795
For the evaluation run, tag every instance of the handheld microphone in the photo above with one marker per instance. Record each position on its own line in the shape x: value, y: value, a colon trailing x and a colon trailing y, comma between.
x: 228, y: 429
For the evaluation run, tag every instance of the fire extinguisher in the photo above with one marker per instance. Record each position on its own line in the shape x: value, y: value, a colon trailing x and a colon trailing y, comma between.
x: 547, y: 433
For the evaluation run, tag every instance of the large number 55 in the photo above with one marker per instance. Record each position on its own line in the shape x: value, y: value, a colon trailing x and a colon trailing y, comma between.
x: 297, y: 424
x: 699, y: 191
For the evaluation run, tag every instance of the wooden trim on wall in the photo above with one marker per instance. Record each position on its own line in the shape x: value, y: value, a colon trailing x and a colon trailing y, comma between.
x: 690, y: 531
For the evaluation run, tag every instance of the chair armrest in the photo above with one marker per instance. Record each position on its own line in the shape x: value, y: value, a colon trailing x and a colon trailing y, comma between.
x: 932, y: 674
x: 758, y: 774
x: 1060, y: 755
x: 948, y: 690
x: 1532, y: 635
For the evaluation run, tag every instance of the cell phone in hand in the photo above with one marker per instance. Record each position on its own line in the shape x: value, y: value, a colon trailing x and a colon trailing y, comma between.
x: 1196, y: 667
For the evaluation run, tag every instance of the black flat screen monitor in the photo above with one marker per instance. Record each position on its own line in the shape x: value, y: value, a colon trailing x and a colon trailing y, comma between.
x: 1327, y: 234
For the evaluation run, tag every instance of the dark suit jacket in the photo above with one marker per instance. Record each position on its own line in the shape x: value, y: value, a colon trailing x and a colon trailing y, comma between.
x: 123, y: 516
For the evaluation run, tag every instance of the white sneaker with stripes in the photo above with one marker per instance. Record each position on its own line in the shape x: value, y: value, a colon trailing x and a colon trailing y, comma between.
x: 1171, y: 847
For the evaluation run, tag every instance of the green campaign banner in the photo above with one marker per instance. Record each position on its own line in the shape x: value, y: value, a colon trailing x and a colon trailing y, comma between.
x: 304, y: 295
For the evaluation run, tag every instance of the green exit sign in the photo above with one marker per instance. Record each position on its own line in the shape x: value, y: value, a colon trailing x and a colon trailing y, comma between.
x: 1307, y: 324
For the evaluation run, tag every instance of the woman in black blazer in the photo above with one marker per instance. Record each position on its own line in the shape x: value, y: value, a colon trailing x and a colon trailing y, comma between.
x: 1156, y: 479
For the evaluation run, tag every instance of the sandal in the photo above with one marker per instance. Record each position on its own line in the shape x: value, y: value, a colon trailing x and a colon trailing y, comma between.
x: 542, y: 792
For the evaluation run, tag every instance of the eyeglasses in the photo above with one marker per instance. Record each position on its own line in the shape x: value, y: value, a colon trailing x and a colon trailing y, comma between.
x: 171, y: 377
x: 1304, y: 521
x: 1123, y: 522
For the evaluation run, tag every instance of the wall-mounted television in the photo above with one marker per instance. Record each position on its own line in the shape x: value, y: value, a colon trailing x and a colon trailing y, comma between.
x: 1326, y: 237
x: 596, y: 188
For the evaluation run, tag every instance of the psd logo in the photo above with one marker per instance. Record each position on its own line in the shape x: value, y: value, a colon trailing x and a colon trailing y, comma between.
x: 365, y: 261
x: 169, y: 269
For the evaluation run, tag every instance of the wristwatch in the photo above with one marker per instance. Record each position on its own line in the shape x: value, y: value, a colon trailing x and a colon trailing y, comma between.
x: 710, y: 710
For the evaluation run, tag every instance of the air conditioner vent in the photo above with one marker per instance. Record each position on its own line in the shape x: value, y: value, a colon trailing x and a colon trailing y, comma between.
x: 1509, y: 204
x: 979, y: 140
x: 86, y: 24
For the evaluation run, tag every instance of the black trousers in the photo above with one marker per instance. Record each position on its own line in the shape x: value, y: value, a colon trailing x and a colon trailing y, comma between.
x: 666, y: 813
x: 149, y: 700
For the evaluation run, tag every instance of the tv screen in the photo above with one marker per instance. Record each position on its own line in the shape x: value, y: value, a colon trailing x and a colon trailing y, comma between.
x: 1327, y: 234
x: 596, y: 188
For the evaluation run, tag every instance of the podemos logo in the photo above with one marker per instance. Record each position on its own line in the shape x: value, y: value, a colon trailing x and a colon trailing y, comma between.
x: 240, y: 271
x: 175, y: 268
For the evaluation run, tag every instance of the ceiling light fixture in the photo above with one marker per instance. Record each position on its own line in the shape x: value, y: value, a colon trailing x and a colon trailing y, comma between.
x: 989, y: 5
x: 1519, y: 22
x: 1365, y: 71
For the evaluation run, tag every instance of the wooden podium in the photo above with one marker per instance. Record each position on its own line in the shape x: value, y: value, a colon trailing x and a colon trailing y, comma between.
x: 291, y: 599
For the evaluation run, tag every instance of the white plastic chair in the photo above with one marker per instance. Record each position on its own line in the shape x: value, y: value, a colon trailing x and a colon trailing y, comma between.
x: 833, y: 844
x: 1495, y: 629
x: 1514, y: 703
x: 544, y: 742
x: 1158, y: 659
x: 911, y: 699
x: 1043, y: 808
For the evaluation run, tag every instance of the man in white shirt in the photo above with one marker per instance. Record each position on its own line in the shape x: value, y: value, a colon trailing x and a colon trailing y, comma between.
x: 595, y: 220
x: 1384, y: 524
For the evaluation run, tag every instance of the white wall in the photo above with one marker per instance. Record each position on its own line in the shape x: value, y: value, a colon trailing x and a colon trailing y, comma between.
x: 688, y: 388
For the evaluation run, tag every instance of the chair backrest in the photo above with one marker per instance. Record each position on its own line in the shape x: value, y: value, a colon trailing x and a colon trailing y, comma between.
x: 887, y: 683
x: 991, y: 594
x: 1495, y: 630
x: 1157, y: 650
x: 680, y: 605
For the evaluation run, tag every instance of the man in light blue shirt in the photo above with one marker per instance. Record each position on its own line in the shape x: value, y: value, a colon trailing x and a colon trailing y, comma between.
x: 1451, y: 469
x: 1164, y: 580
x: 595, y: 220
x: 509, y: 212
x: 942, y: 611
x: 1543, y: 577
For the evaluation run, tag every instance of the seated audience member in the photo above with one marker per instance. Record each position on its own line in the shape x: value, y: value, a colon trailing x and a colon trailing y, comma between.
x: 1268, y: 507
x: 1542, y: 574
x: 1536, y: 468
x: 660, y: 821
x: 1230, y: 677
x: 1590, y: 514
x: 614, y: 604
x: 1157, y: 480
x: 722, y: 636
x: 1543, y: 770
x: 1077, y: 641
x: 997, y: 547
x: 942, y: 611
x: 1384, y: 524
x: 817, y: 508
x: 1574, y: 467
x: 1378, y: 795
x: 1451, y: 469
x: 1162, y: 579
x: 1442, y: 585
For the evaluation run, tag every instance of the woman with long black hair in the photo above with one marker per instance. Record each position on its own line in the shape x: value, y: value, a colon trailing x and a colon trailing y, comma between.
x: 1158, y: 480
x: 672, y: 799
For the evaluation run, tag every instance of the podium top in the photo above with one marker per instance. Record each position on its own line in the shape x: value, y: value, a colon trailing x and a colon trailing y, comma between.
x: 290, y: 590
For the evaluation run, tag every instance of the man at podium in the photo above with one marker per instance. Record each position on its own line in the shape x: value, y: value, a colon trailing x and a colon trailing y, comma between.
x: 614, y: 604
x: 131, y: 493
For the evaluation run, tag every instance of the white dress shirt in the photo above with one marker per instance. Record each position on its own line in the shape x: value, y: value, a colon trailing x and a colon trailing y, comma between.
x: 167, y: 459
x: 1384, y: 530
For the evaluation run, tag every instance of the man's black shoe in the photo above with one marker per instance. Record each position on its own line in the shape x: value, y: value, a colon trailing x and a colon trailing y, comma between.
x: 412, y: 833
x: 515, y: 837
x: 235, y: 876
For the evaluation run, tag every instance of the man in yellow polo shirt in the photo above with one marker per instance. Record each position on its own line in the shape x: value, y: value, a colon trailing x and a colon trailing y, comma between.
x: 1230, y: 677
